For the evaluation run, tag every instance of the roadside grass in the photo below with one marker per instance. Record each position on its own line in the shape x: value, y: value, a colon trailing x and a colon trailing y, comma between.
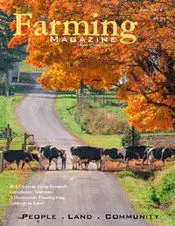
x: 10, y: 177
x: 7, y: 180
x: 65, y: 109
x: 138, y: 191
x: 7, y: 116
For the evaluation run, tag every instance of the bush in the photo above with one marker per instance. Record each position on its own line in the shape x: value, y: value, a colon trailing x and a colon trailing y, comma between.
x: 101, y: 123
x: 164, y: 192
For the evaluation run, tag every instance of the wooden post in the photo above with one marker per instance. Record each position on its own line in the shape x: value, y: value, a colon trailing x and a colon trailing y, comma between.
x: 8, y: 136
x: 1, y: 161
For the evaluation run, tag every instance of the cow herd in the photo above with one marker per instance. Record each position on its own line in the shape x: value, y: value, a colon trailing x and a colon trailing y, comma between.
x: 82, y: 156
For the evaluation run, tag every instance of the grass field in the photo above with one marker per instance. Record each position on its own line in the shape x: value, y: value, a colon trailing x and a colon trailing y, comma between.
x: 138, y: 191
x: 12, y: 177
x: 9, y: 179
x: 7, y: 116
x: 64, y: 108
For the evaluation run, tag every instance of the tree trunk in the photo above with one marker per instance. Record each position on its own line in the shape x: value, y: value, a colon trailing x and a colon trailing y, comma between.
x: 81, y: 96
x: 133, y: 135
x: 173, y: 117
x: 7, y: 83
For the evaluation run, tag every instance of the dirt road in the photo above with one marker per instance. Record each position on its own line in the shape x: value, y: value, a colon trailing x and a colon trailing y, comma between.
x: 59, y: 196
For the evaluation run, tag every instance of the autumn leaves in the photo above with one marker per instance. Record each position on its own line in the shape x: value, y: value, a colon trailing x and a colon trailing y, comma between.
x: 147, y: 64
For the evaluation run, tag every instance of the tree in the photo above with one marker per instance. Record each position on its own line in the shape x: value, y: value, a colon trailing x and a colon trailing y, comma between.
x: 147, y: 64
x: 8, y: 56
x: 150, y: 69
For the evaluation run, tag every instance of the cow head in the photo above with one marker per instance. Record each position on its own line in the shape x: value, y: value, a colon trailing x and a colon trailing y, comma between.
x: 31, y: 156
x: 113, y: 153
x: 35, y: 157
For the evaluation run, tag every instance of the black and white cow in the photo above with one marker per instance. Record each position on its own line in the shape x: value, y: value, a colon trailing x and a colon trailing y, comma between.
x: 50, y: 153
x: 136, y: 153
x: 111, y: 154
x: 17, y: 156
x: 158, y: 154
x: 84, y: 155
x: 123, y: 155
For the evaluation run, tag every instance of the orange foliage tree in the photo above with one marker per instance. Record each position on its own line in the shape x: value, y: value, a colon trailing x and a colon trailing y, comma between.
x: 147, y: 65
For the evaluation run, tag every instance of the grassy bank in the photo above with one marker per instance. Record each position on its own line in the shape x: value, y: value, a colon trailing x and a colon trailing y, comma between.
x: 65, y: 109
x: 8, y: 179
x: 12, y: 177
x: 7, y: 116
x: 138, y: 187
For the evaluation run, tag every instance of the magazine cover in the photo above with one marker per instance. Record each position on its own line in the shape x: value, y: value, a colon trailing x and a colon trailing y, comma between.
x: 87, y: 112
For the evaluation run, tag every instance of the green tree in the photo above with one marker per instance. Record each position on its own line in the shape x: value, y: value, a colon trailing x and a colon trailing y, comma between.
x: 8, y: 57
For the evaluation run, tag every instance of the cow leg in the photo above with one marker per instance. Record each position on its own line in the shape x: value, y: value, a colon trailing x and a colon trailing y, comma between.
x: 127, y: 164
x: 40, y: 163
x: 56, y: 163
x: 86, y: 165
x: 120, y: 161
x: 118, y: 166
x: 99, y: 165
x: 30, y: 165
x: 17, y: 164
x: 163, y: 161
x: 151, y: 163
x: 74, y: 163
x: 23, y: 164
x: 5, y: 163
x: 103, y: 165
x: 50, y: 161
x: 78, y: 165
x: 145, y: 158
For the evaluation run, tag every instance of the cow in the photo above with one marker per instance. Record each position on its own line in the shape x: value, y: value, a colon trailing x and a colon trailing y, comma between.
x: 84, y: 155
x: 50, y: 153
x: 123, y: 155
x: 111, y: 154
x: 16, y: 156
x: 158, y: 154
x: 135, y: 152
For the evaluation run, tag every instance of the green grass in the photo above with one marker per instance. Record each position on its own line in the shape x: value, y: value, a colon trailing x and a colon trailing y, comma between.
x: 65, y: 109
x: 8, y: 116
x: 141, y: 203
x: 8, y: 179
x: 28, y: 68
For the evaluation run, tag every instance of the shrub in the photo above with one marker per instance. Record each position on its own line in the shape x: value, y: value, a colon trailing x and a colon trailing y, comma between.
x: 99, y: 122
x: 166, y: 188
x: 164, y: 192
